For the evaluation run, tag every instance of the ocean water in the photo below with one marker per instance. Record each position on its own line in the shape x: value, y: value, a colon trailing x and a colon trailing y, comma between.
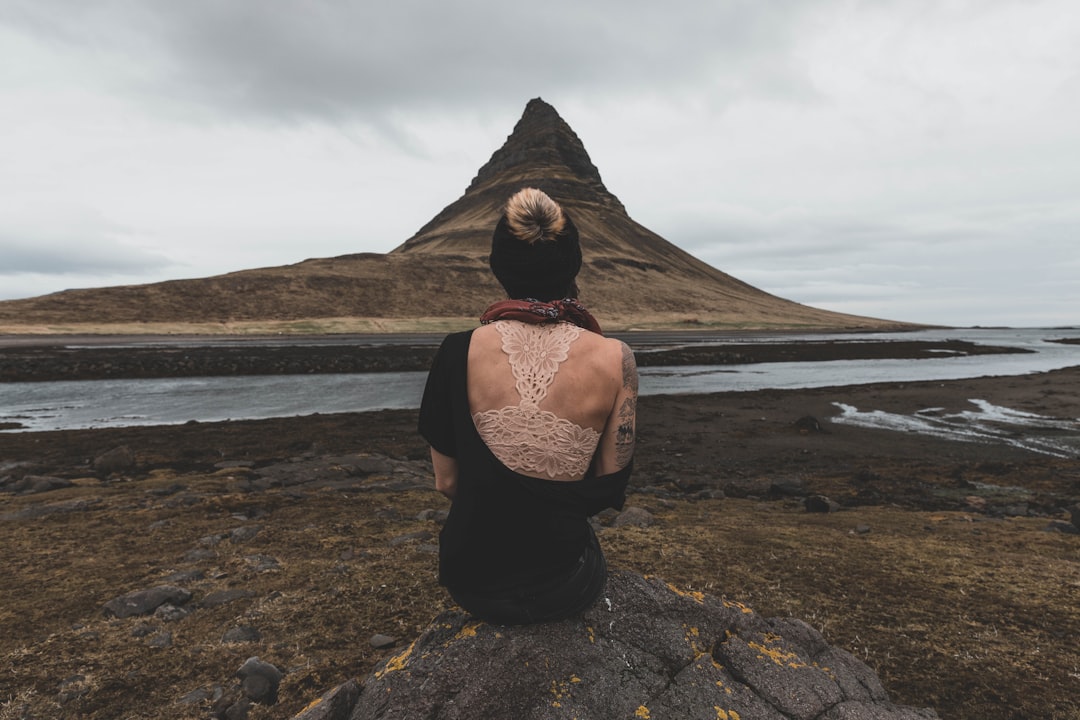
x: 115, y: 403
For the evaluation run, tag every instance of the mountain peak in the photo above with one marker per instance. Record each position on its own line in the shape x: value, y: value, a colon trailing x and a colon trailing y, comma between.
x: 542, y: 144
x: 541, y: 152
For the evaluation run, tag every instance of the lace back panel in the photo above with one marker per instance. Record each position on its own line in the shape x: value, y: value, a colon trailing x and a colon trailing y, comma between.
x: 523, y: 437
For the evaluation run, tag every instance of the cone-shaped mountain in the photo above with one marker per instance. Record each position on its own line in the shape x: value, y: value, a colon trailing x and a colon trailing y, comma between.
x: 631, y: 277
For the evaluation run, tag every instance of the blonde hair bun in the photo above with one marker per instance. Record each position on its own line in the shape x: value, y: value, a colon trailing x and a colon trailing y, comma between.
x: 533, y: 216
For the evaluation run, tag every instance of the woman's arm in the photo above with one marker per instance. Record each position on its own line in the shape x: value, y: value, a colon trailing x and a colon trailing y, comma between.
x: 617, y: 441
x: 446, y: 470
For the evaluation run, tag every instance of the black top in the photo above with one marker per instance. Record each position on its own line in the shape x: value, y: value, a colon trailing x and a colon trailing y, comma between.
x: 504, y: 529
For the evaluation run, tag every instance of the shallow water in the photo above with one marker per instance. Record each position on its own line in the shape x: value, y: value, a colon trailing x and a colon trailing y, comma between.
x: 116, y: 403
x: 986, y: 423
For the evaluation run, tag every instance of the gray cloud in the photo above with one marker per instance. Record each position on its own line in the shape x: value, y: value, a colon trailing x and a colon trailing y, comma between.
x: 328, y: 60
x: 72, y: 241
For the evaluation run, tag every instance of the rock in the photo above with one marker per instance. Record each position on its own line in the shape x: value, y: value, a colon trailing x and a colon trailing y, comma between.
x: 224, y: 597
x: 260, y: 681
x: 1063, y: 527
x: 199, y: 554
x: 171, y: 613
x: 231, y: 705
x: 422, y: 535
x: 381, y: 642
x: 212, y: 693
x: 808, y: 424
x: 1017, y: 510
x: 634, y: 517
x: 262, y: 563
x: 334, y: 705
x: 241, y: 634
x: 787, y: 487
x: 1074, y: 515
x: 182, y: 577
x: 72, y: 688
x: 607, y: 516
x: 820, y: 504
x: 142, y: 630
x: 245, y: 533
x: 645, y: 649
x: 113, y: 461
x: 144, y: 602
x: 34, y: 484
x: 161, y: 640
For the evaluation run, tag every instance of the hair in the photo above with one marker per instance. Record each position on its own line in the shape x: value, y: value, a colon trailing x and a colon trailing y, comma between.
x: 535, y: 250
x: 533, y: 216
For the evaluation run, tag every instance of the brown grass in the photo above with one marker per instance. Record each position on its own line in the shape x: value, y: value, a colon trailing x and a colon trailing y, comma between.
x: 976, y: 617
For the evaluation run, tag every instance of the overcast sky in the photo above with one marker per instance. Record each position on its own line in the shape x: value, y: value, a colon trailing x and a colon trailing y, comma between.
x: 904, y: 159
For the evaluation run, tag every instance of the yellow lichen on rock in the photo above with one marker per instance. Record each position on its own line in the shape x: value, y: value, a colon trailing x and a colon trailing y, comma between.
x: 694, y: 595
x: 735, y: 604
x: 781, y: 657
x: 469, y: 631
x: 398, y: 662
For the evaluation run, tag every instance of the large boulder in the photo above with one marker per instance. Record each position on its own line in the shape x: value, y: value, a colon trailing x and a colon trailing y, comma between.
x: 645, y: 650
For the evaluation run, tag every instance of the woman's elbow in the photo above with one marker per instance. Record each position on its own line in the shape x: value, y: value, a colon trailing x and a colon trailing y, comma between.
x: 446, y: 485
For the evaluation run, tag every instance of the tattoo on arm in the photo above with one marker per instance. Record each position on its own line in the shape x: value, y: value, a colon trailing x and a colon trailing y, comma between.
x: 626, y: 415
x: 624, y: 433
x: 629, y: 369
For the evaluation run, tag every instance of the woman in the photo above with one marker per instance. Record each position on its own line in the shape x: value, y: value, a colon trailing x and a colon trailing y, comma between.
x: 531, y: 420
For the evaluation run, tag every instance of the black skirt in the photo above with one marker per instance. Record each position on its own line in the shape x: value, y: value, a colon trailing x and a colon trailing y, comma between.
x: 568, y: 594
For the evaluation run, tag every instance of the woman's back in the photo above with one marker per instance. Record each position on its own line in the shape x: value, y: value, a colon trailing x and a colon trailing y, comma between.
x: 542, y: 396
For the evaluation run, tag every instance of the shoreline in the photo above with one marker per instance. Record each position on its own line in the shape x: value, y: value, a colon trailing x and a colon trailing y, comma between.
x: 48, y: 362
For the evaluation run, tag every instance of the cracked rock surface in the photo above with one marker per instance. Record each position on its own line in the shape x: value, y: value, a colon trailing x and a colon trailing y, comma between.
x: 644, y: 650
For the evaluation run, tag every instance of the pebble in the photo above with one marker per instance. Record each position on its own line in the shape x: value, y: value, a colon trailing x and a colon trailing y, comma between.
x: 259, y: 680
x: 161, y: 640
x: 144, y: 602
x: 241, y: 634
x: 245, y: 533
x: 184, y: 577
x: 380, y: 642
x: 142, y: 630
x: 634, y: 517
x: 213, y: 693
x: 34, y: 484
x: 422, y: 535
x: 820, y: 504
x: 114, y: 461
x: 171, y: 613
x: 262, y: 563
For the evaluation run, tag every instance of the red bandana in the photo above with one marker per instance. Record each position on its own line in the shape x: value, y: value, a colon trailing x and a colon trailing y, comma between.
x: 537, y: 312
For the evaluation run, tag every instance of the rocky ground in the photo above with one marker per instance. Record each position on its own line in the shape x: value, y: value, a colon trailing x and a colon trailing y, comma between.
x: 950, y: 568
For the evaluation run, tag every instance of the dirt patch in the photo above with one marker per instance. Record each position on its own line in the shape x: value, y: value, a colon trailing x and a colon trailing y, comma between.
x: 944, y: 568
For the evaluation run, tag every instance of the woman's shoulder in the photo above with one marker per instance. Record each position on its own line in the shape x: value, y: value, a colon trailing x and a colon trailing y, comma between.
x: 601, y: 343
